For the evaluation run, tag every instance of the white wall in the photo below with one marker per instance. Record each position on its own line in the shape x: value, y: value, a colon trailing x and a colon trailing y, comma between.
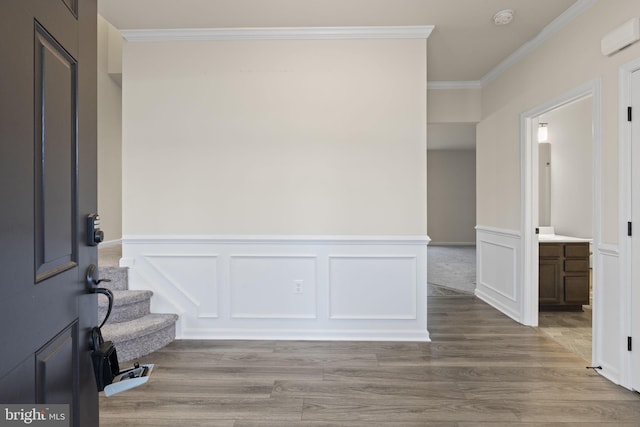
x: 571, y: 141
x: 544, y: 184
x: 109, y: 137
x: 451, y: 194
x: 275, y: 137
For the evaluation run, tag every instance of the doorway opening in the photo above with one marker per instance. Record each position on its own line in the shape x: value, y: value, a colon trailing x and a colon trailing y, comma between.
x: 451, y: 209
x: 578, y: 219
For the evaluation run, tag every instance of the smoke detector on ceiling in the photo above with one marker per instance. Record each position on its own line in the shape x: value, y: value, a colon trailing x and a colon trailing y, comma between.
x: 503, y: 17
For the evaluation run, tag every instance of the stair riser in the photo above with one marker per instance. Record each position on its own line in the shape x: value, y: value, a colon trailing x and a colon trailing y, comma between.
x: 119, y: 278
x: 125, y: 313
x: 136, y: 347
x: 133, y: 329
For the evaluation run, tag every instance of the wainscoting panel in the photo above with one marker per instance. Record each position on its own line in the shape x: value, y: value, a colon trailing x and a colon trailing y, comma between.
x: 499, y: 270
x: 609, y: 334
x: 193, y: 276
x: 285, y: 287
x: 363, y: 287
x: 273, y: 286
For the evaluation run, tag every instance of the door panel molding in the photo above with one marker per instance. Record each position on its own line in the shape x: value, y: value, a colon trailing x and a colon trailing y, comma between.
x: 56, y: 148
x: 73, y: 6
x: 56, y: 368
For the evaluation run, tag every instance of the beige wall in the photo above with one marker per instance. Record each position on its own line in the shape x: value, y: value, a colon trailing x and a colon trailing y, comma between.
x: 451, y: 190
x: 567, y: 60
x: 109, y: 137
x: 451, y: 194
x: 275, y: 137
x: 454, y: 105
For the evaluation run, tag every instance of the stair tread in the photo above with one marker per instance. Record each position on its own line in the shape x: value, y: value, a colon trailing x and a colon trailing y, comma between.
x: 145, y: 325
x: 123, y: 297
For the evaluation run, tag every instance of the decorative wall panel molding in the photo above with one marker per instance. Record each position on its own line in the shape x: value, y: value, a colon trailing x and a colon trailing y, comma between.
x: 286, y: 287
x: 273, y: 286
x: 608, y: 298
x: 193, y: 276
x: 372, y: 287
x: 499, y: 270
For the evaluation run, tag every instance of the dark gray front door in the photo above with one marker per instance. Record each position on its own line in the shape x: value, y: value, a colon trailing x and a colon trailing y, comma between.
x: 47, y: 187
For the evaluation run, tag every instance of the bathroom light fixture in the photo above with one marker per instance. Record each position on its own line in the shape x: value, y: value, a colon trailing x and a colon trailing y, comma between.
x: 543, y: 134
x: 503, y: 17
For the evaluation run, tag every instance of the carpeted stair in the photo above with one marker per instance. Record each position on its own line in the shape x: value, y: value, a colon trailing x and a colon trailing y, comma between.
x: 133, y: 329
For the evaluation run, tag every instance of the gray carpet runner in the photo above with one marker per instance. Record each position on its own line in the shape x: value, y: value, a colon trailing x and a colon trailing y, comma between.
x: 134, y: 330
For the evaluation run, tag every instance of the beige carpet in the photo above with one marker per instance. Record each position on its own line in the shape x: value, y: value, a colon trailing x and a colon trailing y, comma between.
x: 451, y: 269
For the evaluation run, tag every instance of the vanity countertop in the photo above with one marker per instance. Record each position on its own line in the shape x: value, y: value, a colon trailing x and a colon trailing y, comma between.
x: 558, y: 238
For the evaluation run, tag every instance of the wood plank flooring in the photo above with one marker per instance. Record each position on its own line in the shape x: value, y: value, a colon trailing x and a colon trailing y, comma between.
x: 572, y: 329
x: 481, y: 369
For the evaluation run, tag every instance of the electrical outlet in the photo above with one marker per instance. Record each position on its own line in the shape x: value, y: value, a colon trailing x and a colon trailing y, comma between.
x: 297, y: 286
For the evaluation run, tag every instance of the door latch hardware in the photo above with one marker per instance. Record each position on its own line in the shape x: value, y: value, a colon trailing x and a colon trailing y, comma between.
x: 91, y: 279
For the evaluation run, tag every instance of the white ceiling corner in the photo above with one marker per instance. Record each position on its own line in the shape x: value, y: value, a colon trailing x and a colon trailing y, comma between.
x: 547, y: 32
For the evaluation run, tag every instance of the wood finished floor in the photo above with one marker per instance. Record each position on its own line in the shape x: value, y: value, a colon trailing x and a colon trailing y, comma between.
x: 481, y: 369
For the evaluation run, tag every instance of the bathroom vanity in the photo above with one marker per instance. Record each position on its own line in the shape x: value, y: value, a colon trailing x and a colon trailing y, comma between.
x: 563, y: 272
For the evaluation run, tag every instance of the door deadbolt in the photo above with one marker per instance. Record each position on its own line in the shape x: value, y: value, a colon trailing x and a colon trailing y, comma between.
x: 94, y: 234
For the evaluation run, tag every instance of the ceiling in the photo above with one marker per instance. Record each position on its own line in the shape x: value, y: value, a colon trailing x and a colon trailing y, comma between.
x: 464, y: 45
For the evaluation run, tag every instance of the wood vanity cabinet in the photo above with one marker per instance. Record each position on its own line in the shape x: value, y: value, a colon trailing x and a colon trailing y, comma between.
x: 563, y: 275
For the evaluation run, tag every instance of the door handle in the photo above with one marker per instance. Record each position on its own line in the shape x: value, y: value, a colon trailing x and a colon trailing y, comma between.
x: 92, y: 280
x: 106, y: 292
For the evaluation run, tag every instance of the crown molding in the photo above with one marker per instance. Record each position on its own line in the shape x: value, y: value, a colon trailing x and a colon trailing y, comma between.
x: 443, y: 84
x: 282, y: 33
x: 547, y: 32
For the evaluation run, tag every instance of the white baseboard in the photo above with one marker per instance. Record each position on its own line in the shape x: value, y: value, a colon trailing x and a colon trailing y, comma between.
x: 496, y: 303
x: 285, y: 287
x: 432, y: 243
x: 306, y: 335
